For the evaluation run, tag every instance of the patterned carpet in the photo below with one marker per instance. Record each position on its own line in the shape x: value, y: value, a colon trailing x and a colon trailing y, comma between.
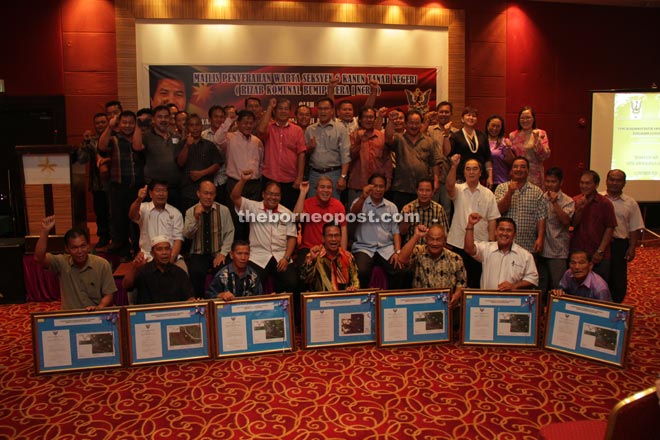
x: 428, y: 392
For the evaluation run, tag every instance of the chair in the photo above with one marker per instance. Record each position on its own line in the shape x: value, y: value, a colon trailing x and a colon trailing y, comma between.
x: 634, y: 418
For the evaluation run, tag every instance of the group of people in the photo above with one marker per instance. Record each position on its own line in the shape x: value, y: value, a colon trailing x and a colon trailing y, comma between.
x: 264, y: 203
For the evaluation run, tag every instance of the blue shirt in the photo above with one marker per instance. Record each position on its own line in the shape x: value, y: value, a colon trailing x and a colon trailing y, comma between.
x: 593, y: 286
x: 375, y: 233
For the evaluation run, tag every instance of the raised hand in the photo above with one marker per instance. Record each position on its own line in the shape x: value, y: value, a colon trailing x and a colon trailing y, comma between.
x: 142, y: 193
x: 474, y: 218
x: 48, y: 223
x: 246, y: 174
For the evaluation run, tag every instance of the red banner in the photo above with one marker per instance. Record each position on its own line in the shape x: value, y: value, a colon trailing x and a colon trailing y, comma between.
x: 199, y: 87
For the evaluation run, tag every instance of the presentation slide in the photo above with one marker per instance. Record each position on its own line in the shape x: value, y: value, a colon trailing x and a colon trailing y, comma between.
x: 625, y: 134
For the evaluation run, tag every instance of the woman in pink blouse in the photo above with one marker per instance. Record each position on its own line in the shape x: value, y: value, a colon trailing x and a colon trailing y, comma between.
x: 532, y: 143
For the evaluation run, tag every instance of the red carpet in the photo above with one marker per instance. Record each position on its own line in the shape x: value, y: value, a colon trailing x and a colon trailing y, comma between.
x: 426, y: 392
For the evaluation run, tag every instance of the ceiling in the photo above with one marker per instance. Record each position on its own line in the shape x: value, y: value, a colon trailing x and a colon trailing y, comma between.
x: 628, y: 3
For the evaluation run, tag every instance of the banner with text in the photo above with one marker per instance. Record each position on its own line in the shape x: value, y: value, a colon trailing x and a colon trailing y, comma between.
x: 197, y: 88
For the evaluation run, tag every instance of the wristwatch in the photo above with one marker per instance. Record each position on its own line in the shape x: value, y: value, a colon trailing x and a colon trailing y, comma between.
x: 398, y: 251
x: 343, y: 176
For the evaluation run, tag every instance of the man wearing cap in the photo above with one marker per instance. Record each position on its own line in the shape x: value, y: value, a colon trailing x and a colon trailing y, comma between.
x: 159, y: 280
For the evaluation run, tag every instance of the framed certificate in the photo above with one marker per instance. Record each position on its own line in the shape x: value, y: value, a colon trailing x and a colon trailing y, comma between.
x: 76, y: 340
x: 341, y: 318
x: 167, y: 332
x: 413, y: 317
x: 500, y: 318
x: 593, y: 329
x: 255, y: 324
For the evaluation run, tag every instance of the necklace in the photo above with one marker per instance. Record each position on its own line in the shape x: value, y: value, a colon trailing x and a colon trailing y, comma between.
x: 472, y: 141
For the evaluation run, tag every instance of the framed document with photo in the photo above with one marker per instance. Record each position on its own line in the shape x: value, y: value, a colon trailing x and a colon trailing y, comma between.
x: 338, y: 318
x: 252, y: 325
x: 593, y: 329
x: 500, y: 318
x: 413, y: 317
x: 167, y: 332
x: 76, y: 340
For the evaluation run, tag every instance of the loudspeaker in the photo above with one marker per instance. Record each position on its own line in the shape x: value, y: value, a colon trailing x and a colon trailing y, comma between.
x: 12, y: 283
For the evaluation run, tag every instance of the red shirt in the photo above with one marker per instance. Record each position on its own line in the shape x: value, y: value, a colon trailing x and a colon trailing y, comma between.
x: 597, y: 216
x: 312, y: 231
x: 282, y: 146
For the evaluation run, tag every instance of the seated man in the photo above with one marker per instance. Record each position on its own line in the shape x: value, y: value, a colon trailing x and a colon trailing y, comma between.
x: 434, y: 265
x: 377, y: 240
x: 581, y: 280
x: 320, y: 205
x: 506, y: 265
x: 273, y: 234
x: 158, y: 217
x: 236, y: 279
x: 85, y: 280
x: 158, y: 281
x: 329, y: 267
x: 210, y: 227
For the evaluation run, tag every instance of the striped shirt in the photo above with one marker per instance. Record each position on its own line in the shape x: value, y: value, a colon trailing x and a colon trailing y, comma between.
x: 433, y: 213
x: 217, y: 221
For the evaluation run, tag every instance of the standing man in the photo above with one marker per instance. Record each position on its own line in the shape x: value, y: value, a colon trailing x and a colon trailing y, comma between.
x: 417, y: 156
x: 470, y: 196
x: 345, y: 111
x: 98, y: 182
x: 560, y: 209
x: 440, y: 133
x: 627, y: 232
x: 210, y: 227
x: 284, y: 144
x: 369, y: 154
x: 506, y: 265
x: 158, y: 146
x: 198, y: 158
x: 523, y: 201
x: 330, y: 147
x: 217, y: 117
x: 303, y: 116
x: 125, y: 179
x: 85, y: 280
x: 434, y: 265
x: 593, y: 222
x: 378, y: 241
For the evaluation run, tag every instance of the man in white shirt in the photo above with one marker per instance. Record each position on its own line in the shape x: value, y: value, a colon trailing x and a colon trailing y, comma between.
x: 506, y: 265
x: 470, y: 196
x: 626, y: 234
x: 157, y: 217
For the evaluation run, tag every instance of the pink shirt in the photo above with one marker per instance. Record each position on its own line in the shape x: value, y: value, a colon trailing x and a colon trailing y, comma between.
x: 242, y: 152
x: 283, y: 145
x: 536, y: 152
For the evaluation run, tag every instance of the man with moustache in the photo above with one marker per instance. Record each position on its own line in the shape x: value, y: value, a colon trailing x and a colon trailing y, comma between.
x: 593, y: 223
x: 417, y: 156
x: 423, y: 211
x: 523, y: 201
x: 284, y: 145
x: 434, y: 265
x: 329, y: 267
x: 158, y: 281
x: 506, y: 265
x: 210, y: 227
x: 236, y: 279
x: 85, y: 280
x: 158, y: 146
